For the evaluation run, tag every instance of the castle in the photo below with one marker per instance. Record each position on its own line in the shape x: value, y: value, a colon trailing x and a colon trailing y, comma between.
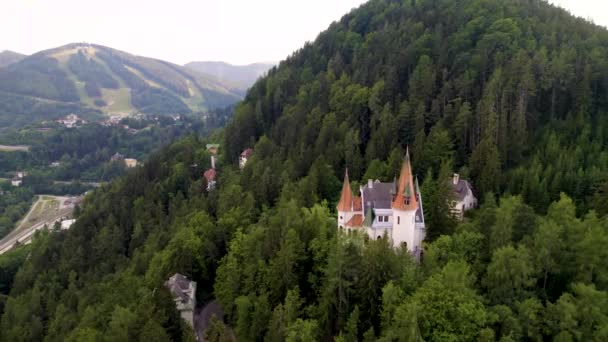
x: 394, y: 209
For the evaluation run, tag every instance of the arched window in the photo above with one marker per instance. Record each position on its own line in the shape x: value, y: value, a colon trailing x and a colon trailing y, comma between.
x: 379, y: 237
x: 398, y: 219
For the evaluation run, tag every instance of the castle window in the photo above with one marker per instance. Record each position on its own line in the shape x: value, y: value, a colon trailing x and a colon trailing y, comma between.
x: 407, y: 201
x: 398, y: 219
x: 340, y: 217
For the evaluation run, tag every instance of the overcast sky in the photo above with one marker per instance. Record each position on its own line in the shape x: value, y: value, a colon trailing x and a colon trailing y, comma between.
x: 180, y: 31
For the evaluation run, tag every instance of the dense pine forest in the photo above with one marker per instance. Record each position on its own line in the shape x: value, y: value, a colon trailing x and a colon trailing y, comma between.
x: 511, y: 94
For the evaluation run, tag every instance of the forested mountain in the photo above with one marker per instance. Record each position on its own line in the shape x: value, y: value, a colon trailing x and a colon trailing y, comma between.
x: 242, y: 76
x: 92, y: 78
x: 513, y: 94
x: 9, y: 57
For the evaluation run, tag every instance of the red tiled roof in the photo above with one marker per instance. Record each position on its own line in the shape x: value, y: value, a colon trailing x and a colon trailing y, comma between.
x: 247, y: 153
x: 406, y: 188
x: 355, y: 221
x: 357, y: 204
x: 346, y: 197
x: 210, y: 175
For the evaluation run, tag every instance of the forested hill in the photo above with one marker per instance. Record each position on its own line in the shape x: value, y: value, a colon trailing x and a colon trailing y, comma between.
x: 92, y: 77
x: 513, y: 94
x: 515, y: 91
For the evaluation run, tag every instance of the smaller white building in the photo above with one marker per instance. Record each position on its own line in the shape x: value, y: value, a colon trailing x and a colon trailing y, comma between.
x: 16, y: 181
x: 66, y: 224
x: 464, y: 199
x: 130, y: 162
x: 183, y: 291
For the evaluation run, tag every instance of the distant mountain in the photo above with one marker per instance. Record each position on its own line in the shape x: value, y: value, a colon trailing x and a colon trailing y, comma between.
x: 9, y: 57
x: 242, y: 76
x: 96, y: 78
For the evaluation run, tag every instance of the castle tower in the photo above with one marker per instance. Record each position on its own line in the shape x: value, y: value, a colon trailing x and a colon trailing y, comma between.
x: 408, y: 223
x: 345, y: 206
x: 349, y: 207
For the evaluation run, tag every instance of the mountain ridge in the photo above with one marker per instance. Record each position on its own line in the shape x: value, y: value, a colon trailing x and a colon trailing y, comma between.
x: 243, y: 76
x: 113, y: 82
x: 8, y: 57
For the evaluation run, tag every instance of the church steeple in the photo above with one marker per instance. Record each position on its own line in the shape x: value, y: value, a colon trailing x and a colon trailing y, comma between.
x: 346, y: 198
x: 405, y: 198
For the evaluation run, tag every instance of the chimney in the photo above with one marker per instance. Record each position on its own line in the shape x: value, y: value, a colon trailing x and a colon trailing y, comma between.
x: 370, y: 183
x: 213, y: 162
x: 456, y: 179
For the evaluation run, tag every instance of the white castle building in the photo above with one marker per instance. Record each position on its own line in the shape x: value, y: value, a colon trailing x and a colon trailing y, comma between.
x: 394, y: 209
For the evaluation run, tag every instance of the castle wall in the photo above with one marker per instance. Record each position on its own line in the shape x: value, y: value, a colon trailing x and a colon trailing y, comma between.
x: 404, y: 229
x: 344, y: 217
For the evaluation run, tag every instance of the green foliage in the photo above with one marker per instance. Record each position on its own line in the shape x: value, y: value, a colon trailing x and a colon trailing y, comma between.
x: 511, y: 91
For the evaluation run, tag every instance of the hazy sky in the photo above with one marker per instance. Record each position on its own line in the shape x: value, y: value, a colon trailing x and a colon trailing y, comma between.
x: 180, y: 31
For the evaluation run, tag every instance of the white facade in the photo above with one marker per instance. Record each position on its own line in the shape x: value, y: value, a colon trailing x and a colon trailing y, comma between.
x: 344, y: 217
x: 464, y: 199
x: 242, y: 162
x: 382, y: 224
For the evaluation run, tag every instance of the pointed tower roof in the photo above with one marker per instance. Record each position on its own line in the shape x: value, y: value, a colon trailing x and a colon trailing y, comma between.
x: 405, y: 188
x: 346, y: 198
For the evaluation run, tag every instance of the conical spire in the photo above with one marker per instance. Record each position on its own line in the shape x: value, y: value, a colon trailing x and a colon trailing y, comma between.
x: 346, y: 198
x: 405, y: 198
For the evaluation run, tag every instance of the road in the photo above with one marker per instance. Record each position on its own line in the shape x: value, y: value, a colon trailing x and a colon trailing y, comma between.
x: 24, y: 231
x: 93, y: 184
x: 12, y: 148
x: 202, y: 318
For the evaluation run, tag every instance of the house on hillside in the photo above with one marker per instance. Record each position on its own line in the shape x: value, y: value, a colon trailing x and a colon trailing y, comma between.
x: 210, y: 177
x: 183, y: 291
x: 464, y: 199
x: 394, y: 209
x: 71, y: 121
x: 130, y: 162
x: 213, y: 148
x: 117, y: 157
x: 16, y: 181
x: 245, y: 155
